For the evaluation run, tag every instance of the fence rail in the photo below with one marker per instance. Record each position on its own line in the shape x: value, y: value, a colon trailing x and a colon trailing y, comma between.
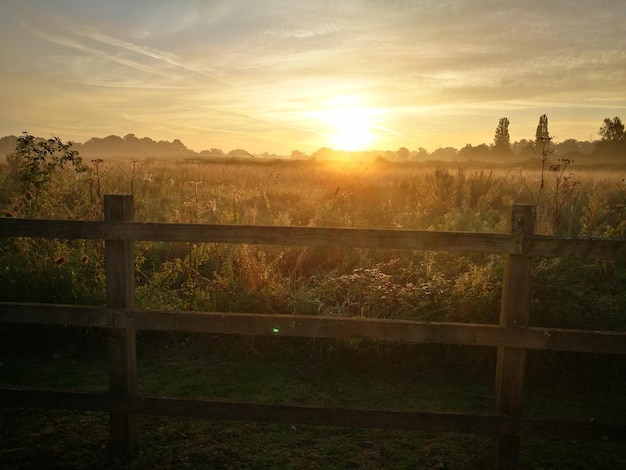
x: 512, y: 336
x: 413, y: 420
x: 527, y: 245
x: 307, y: 326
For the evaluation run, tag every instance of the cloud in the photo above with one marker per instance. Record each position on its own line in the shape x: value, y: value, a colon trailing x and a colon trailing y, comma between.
x: 256, y: 68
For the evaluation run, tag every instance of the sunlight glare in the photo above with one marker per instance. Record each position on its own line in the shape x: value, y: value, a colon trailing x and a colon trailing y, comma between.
x: 350, y: 124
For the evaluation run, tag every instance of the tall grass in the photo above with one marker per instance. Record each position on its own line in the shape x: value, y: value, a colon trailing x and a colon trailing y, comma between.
x: 418, y: 285
x: 432, y: 286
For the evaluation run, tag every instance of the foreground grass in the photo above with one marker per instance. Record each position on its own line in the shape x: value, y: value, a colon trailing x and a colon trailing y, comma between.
x: 341, y: 374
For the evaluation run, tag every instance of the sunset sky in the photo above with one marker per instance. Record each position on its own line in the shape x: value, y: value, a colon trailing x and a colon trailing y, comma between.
x: 280, y: 75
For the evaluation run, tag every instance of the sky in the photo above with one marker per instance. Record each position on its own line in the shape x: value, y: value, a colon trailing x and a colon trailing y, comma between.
x: 279, y: 75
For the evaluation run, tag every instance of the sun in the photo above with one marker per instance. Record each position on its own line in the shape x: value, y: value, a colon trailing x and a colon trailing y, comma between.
x: 351, y: 131
x: 350, y: 123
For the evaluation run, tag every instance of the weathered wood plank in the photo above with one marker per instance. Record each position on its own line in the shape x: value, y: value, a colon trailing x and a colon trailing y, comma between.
x: 599, y: 342
x: 206, y: 408
x: 46, y: 228
x: 121, y: 353
x: 596, y: 248
x: 253, y: 234
x: 529, y: 245
x: 56, y: 314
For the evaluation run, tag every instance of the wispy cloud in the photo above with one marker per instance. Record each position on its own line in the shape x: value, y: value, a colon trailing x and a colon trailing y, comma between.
x: 91, y: 42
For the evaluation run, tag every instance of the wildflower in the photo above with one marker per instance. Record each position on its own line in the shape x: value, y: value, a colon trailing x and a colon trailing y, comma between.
x: 60, y: 261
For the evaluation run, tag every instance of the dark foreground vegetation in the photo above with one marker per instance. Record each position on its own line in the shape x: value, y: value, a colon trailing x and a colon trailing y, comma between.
x: 53, y: 182
x: 294, y: 371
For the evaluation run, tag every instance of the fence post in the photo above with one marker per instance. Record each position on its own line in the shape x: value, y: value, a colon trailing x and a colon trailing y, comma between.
x: 511, y: 364
x: 120, y: 291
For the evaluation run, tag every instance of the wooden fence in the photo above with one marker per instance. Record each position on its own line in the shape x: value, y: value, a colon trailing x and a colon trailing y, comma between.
x: 512, y: 336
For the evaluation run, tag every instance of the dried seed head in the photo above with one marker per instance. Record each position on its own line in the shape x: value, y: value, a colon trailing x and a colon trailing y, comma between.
x: 60, y: 261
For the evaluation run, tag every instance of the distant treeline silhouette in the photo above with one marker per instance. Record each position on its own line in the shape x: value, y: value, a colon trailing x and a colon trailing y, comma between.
x: 131, y: 146
x: 115, y: 146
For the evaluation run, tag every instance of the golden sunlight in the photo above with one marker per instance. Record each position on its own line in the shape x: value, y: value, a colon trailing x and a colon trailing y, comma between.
x: 350, y: 124
x: 351, y: 133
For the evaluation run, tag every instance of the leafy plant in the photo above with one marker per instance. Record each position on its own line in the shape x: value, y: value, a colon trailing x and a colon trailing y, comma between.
x: 35, y: 161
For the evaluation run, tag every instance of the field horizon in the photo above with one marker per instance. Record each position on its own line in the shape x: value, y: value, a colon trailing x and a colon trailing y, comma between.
x: 571, y: 200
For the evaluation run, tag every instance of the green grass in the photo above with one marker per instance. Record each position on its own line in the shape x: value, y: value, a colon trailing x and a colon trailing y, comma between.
x: 291, y: 371
x: 427, y: 286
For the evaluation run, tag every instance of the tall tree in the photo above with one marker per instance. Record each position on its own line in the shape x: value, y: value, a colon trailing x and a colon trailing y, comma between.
x: 542, y: 133
x: 502, y: 140
x: 612, y: 130
x: 543, y: 143
x: 613, y: 138
x: 543, y: 149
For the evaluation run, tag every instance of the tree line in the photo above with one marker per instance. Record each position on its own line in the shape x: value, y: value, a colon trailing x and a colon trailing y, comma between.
x: 610, y: 146
x: 612, y: 142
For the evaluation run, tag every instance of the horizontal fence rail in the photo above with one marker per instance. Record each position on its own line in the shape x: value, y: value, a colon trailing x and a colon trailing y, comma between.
x: 309, y: 326
x: 414, y: 420
x: 526, y: 245
x: 266, y: 235
x: 512, y: 337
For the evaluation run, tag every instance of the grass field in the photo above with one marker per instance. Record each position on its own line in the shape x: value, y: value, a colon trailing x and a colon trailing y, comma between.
x: 388, y: 284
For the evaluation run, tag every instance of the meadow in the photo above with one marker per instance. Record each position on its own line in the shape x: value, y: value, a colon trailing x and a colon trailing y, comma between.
x: 321, y: 280
x: 437, y: 286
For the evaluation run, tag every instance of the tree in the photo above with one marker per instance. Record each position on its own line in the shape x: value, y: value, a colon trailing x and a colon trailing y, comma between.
x: 420, y: 155
x: 473, y: 153
x: 542, y: 129
x: 523, y: 148
x: 612, y: 130
x: 403, y: 154
x: 298, y: 155
x: 444, y: 154
x: 36, y: 161
x: 613, y: 139
x: 569, y: 147
x: 543, y: 143
x: 502, y: 140
x: 214, y: 152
